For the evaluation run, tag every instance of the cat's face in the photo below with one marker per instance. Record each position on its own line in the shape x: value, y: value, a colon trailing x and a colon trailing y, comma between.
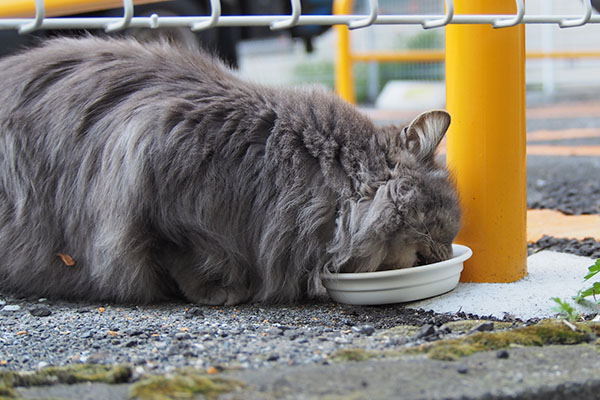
x: 409, y: 219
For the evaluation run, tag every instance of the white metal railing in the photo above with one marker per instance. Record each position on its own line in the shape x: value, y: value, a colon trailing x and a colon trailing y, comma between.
x: 215, y: 19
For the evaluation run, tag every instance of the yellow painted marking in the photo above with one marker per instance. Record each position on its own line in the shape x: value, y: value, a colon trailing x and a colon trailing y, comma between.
x: 579, y: 133
x: 556, y: 224
x: 542, y: 150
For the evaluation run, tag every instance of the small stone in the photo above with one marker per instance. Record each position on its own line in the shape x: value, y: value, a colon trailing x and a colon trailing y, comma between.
x: 425, y: 330
x: 502, y: 354
x: 131, y: 343
x: 367, y: 330
x: 40, y: 311
x: 161, y: 345
x: 194, y: 312
x: 364, y: 329
x: 274, y: 331
x: 182, y: 336
x: 42, y: 364
x: 86, y: 335
x: 199, y: 346
x: 462, y: 369
x: 484, y: 327
x: 341, y: 340
x: 283, y: 327
x: 11, y: 308
x: 273, y: 357
x: 317, y: 358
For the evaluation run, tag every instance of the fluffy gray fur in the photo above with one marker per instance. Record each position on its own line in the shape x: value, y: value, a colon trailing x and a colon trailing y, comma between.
x: 162, y: 174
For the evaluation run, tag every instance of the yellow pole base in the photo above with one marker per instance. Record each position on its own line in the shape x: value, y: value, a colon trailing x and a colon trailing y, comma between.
x: 485, y: 92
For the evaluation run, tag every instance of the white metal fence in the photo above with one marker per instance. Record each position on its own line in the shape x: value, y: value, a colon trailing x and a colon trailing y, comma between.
x: 373, y: 17
x: 393, y: 25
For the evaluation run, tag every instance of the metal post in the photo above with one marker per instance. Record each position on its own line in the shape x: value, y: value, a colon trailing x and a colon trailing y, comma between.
x: 344, y: 79
x: 485, y: 94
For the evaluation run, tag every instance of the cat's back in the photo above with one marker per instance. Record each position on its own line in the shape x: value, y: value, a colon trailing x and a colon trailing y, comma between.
x: 65, y: 67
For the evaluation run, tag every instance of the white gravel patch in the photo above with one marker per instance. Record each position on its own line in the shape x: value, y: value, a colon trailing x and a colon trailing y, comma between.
x: 550, y: 274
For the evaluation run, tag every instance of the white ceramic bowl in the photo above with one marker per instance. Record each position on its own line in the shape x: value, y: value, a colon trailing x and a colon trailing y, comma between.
x: 399, y: 285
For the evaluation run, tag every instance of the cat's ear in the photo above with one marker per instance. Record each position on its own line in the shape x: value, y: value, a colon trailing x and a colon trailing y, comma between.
x: 422, y: 136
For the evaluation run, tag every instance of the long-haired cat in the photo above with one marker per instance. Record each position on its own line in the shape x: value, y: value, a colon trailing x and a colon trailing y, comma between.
x: 138, y: 173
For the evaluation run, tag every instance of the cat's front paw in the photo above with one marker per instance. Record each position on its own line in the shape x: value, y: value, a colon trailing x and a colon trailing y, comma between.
x: 220, y: 297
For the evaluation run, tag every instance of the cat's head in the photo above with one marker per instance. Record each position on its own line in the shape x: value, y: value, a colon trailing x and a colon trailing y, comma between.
x: 409, y: 215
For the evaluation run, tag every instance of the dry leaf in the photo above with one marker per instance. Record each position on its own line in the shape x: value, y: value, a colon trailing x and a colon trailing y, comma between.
x: 212, y: 371
x: 22, y: 333
x: 112, y: 333
x: 3, y: 362
x: 67, y: 259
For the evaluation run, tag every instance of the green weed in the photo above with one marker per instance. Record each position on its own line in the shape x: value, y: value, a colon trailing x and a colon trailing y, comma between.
x: 592, y: 290
x: 566, y: 310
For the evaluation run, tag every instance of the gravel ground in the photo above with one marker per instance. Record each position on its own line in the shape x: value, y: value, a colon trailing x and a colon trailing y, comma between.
x: 587, y: 247
x: 566, y: 184
x: 575, y: 197
x: 39, y: 333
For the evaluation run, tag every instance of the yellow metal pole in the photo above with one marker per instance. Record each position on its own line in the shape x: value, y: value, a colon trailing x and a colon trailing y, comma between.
x: 54, y: 8
x: 485, y: 94
x: 344, y: 79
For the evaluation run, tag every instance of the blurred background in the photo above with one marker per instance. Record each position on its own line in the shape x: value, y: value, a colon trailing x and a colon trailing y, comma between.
x: 306, y: 54
x: 576, y: 76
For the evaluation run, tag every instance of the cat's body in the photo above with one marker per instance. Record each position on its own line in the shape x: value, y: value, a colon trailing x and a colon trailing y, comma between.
x: 161, y: 174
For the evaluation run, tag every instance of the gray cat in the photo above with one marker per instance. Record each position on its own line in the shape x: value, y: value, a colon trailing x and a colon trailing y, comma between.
x: 139, y: 173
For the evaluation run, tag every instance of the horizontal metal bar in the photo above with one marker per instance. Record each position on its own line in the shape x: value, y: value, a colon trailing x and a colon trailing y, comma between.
x: 267, y: 20
x: 56, y: 8
x: 399, y: 56
x: 425, y: 56
x: 563, y: 54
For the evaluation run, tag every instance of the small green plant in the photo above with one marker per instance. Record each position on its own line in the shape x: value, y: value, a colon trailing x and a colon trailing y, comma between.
x: 594, y: 289
x: 565, y: 309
